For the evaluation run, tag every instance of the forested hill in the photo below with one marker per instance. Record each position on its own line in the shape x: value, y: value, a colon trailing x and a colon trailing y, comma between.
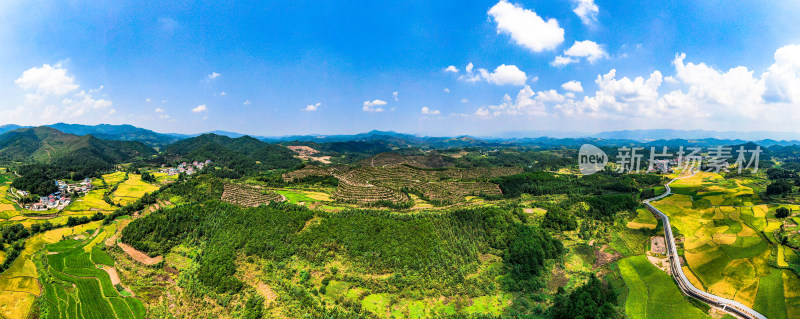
x: 48, y: 145
x: 238, y: 154
x: 48, y: 154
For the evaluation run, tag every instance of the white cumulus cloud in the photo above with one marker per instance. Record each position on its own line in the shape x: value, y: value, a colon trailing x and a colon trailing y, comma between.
x: 699, y: 96
x: 246, y: 102
x: 159, y: 110
x: 527, y: 102
x: 428, y: 111
x: 200, y: 108
x: 83, y: 102
x: 312, y: 107
x: 526, y: 28
x: 574, y: 86
x: 589, y: 50
x: 373, y: 106
x: 451, y: 68
x: 502, y: 75
x: 782, y: 79
x: 505, y: 74
x: 213, y: 75
x: 47, y: 80
x: 562, y: 61
x: 587, y: 10
x: 737, y: 86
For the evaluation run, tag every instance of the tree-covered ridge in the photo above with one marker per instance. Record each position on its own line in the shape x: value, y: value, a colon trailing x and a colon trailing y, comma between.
x: 548, y: 183
x: 47, y: 154
x: 48, y: 145
x: 242, y: 155
x: 377, y: 241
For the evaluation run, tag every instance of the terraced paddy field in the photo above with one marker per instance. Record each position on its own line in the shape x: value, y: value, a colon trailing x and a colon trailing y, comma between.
x: 248, y: 196
x: 79, y: 280
x: 114, y: 178
x: 29, y: 278
x: 728, y: 244
x: 19, y: 287
x: 132, y: 189
x: 8, y: 209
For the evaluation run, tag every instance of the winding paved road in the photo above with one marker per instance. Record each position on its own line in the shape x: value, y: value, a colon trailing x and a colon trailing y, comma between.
x: 734, y: 307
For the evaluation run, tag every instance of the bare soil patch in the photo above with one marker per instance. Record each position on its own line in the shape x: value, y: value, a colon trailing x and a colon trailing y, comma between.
x: 140, y: 256
x: 113, y: 239
x: 558, y: 279
x: 602, y: 258
x: 658, y: 245
x: 266, y: 292
x: 112, y: 273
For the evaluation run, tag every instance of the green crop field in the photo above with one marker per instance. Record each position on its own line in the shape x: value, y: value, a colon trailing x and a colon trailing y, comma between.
x: 652, y: 293
x: 76, y: 287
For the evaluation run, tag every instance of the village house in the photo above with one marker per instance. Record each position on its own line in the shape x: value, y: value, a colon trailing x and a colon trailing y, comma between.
x: 184, y: 167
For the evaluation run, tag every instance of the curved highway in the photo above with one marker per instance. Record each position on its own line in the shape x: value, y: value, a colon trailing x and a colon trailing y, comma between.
x: 734, y: 307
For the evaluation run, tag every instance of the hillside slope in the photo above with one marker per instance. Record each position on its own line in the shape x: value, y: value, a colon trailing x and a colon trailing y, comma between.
x: 235, y: 153
x: 51, y: 146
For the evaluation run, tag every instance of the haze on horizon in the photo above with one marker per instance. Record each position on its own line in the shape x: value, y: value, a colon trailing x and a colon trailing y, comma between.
x: 432, y: 68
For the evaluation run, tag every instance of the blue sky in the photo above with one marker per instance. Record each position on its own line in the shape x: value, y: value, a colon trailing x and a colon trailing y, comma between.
x: 332, y: 67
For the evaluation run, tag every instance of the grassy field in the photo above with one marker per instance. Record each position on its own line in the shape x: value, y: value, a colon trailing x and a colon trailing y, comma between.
x: 652, y: 293
x: 295, y: 196
x: 724, y: 226
x: 644, y: 219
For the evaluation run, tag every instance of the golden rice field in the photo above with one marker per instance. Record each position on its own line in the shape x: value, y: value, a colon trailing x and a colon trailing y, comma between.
x: 162, y: 178
x: 114, y: 178
x: 727, y: 246
x: 132, y: 189
x: 8, y: 209
x: 90, y: 203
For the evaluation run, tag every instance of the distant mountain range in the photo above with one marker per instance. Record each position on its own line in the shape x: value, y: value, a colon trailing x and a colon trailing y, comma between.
x: 398, y: 140
x: 668, y: 134
x: 109, y: 132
